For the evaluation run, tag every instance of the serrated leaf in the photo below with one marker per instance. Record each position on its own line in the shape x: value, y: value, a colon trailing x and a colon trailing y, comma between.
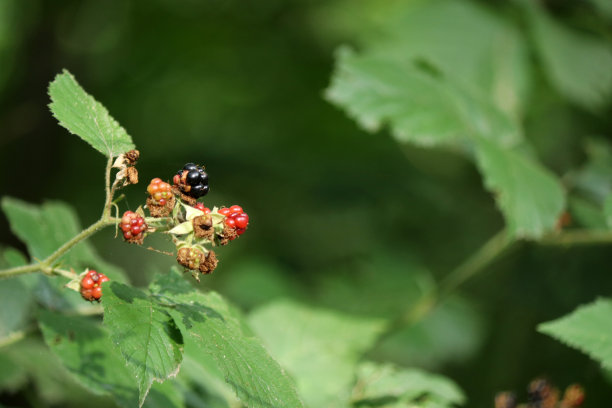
x: 476, y: 48
x: 319, y: 347
x: 408, y: 385
x: 87, y: 118
x: 530, y: 197
x: 85, y: 349
x: 210, y: 324
x: 578, y: 65
x: 144, y: 333
x: 426, y: 110
x: 587, y: 328
x: 418, y: 108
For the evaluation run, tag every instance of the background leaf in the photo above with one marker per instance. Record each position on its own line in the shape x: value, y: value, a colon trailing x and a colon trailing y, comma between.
x: 16, y: 296
x: 429, y: 111
x: 529, y: 196
x: 85, y: 349
x: 87, y: 118
x: 144, y: 333
x: 320, y: 348
x: 578, y: 65
x: 587, y: 328
x: 384, y: 382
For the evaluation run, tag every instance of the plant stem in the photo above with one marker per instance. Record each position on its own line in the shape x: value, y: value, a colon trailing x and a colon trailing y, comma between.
x: 473, y: 265
x: 107, y: 187
x: 578, y: 237
x: 46, y: 265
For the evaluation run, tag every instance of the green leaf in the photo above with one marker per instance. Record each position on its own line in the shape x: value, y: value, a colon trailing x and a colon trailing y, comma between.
x: 414, y: 386
x: 17, y: 299
x: 144, y: 333
x: 605, y: 7
x: 608, y: 211
x: 209, y: 323
x: 452, y: 333
x: 52, y: 383
x: 85, y: 349
x: 44, y: 228
x: 476, y: 48
x: 320, y: 348
x: 587, y: 214
x: 587, y: 328
x: 87, y: 118
x: 427, y: 110
x: 594, y: 178
x: 419, y: 108
x: 530, y: 197
x: 578, y: 65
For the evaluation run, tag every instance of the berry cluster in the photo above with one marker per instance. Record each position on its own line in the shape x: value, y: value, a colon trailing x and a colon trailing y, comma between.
x: 91, y: 285
x: 235, y: 218
x: 542, y: 394
x: 133, y: 227
x: 160, y: 191
x: 192, y: 180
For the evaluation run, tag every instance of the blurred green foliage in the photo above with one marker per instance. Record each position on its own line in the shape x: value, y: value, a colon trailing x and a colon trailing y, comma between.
x: 340, y: 218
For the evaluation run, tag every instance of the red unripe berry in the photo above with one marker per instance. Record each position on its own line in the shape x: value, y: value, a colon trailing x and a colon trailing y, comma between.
x: 224, y: 211
x: 132, y: 225
x: 96, y: 293
x: 235, y: 209
x: 230, y: 222
x: 87, y: 283
x: 242, y: 220
x: 91, y: 285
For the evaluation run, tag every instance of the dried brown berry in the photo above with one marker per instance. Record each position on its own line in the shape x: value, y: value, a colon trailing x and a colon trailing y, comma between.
x: 190, y: 258
x: 505, y: 400
x: 210, y: 263
x: 132, y: 156
x: 157, y: 210
x: 228, y: 234
x: 132, y: 175
x: 202, y: 226
x: 573, y: 396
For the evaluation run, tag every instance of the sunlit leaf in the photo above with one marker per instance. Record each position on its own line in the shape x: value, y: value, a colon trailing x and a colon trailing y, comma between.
x: 587, y: 328
x: 87, y: 118
x: 144, y: 333
x: 319, y: 347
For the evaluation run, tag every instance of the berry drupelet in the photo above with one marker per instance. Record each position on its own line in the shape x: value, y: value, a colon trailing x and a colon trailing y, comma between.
x: 133, y: 227
x: 91, y: 285
x: 192, y: 180
x: 235, y: 218
x: 160, y: 191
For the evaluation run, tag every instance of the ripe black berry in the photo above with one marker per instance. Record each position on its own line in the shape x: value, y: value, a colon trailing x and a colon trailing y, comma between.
x: 192, y: 181
x: 193, y: 178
